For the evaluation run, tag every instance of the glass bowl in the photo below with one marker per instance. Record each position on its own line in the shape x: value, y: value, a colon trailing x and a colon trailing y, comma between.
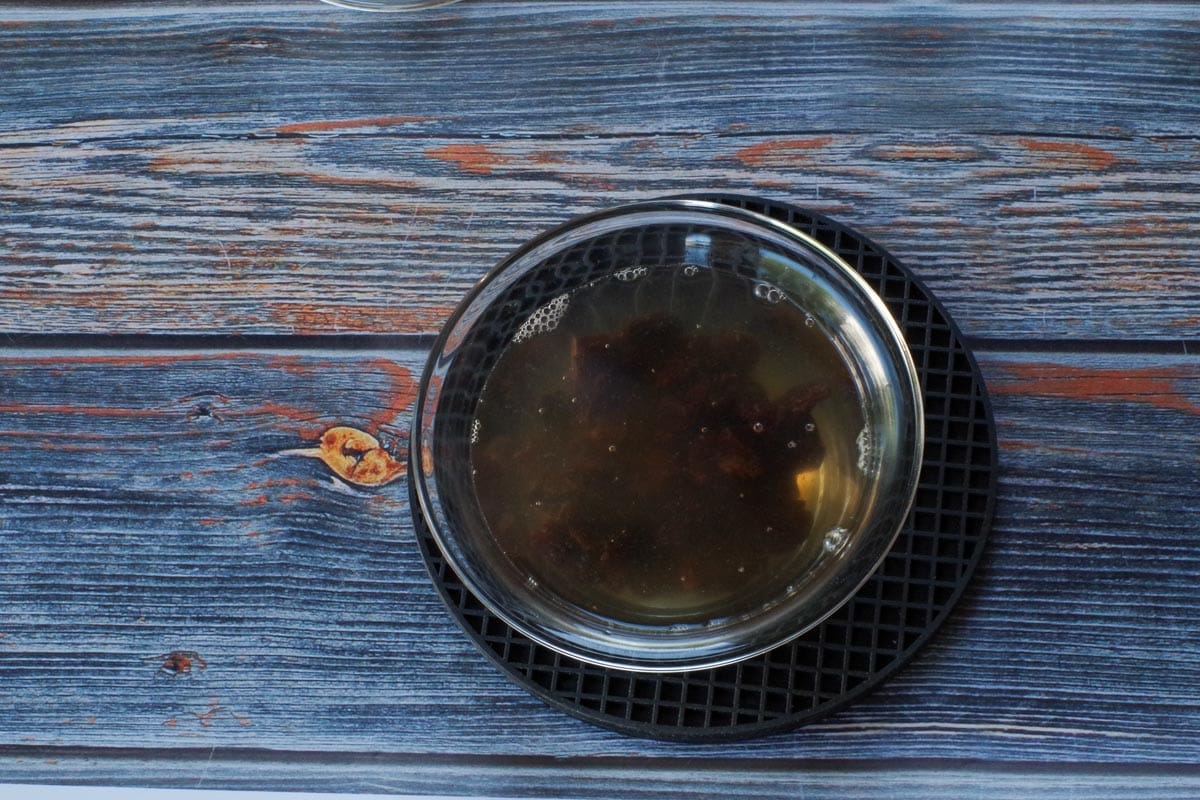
x: 667, y: 436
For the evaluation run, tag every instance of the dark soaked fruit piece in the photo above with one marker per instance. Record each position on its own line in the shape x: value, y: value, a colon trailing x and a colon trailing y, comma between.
x: 705, y: 437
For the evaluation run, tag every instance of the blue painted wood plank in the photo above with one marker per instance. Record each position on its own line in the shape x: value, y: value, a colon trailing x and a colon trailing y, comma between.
x: 136, y: 523
x: 785, y: 778
x: 495, y: 68
x: 1022, y: 236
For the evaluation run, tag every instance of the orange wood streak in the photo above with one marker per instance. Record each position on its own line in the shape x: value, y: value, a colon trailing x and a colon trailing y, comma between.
x: 546, y: 157
x: 1017, y: 445
x: 124, y: 361
x: 401, y: 395
x: 780, y: 153
x: 1067, y: 153
x: 294, y: 365
x: 1155, y: 387
x: 476, y: 159
x: 90, y: 411
x: 306, y: 318
x: 270, y: 483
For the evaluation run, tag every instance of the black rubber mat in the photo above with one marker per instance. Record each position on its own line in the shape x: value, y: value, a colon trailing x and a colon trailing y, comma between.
x: 869, y: 637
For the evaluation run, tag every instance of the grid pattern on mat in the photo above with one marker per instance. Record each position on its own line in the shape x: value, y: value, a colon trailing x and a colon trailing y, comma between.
x: 879, y: 629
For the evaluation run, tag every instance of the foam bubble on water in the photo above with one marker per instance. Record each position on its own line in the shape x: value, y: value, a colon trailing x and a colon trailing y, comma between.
x: 612, y: 448
x: 531, y: 582
x: 544, y: 320
x: 810, y: 427
x: 476, y: 426
x: 758, y: 427
x: 768, y: 293
x: 630, y: 274
x: 690, y: 271
x: 791, y: 445
x: 809, y: 322
x: 834, y: 539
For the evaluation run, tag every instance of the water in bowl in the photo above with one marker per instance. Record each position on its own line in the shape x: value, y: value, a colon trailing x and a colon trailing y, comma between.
x: 670, y: 445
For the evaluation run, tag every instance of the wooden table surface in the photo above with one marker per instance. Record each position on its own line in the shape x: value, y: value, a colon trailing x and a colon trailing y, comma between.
x: 226, y: 227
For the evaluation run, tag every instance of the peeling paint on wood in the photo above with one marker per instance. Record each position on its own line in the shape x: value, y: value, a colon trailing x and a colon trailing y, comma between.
x: 1157, y: 387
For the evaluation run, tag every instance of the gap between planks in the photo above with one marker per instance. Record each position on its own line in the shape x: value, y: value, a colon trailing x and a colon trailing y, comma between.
x: 14, y: 345
x: 598, y: 763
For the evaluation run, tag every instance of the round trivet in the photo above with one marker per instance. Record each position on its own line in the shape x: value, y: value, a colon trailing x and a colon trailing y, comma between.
x: 869, y: 637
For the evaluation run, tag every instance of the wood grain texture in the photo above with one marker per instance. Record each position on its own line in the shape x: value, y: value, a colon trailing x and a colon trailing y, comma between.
x: 1022, y: 236
x: 783, y: 778
x: 496, y: 68
x: 156, y: 479
x: 182, y: 605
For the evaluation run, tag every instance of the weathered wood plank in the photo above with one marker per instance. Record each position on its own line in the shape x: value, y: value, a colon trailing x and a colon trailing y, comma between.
x: 672, y: 65
x: 1022, y: 236
x: 146, y: 511
x: 784, y: 778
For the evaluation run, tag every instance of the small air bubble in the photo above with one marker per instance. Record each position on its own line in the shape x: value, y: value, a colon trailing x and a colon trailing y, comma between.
x: 810, y: 427
x: 809, y: 322
x: 541, y: 411
x: 758, y: 427
x: 704, y: 429
x: 574, y: 399
x: 768, y: 293
x: 741, y: 569
x: 612, y: 448
x: 770, y: 529
x: 791, y: 445
x: 690, y: 270
x: 531, y: 582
